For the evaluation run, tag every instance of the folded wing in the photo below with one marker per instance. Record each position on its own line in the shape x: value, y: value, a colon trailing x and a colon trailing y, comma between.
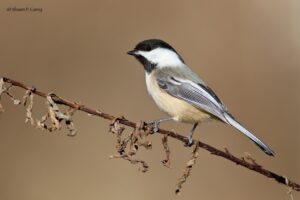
x: 196, y: 94
x: 202, y: 97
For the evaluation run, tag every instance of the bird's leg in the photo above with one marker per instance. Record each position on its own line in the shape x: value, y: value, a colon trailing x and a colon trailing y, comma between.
x: 156, y: 123
x: 190, y: 136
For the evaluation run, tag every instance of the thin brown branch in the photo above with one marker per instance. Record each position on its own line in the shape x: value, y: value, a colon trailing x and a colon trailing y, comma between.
x: 251, y: 165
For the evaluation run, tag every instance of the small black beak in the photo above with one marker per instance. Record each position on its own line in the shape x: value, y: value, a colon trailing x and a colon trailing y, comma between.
x: 132, y: 52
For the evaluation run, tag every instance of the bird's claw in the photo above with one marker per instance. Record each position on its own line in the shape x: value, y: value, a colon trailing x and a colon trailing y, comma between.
x: 154, y: 124
x: 190, y: 142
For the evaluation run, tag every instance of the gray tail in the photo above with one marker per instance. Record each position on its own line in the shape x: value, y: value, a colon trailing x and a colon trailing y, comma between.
x: 230, y: 119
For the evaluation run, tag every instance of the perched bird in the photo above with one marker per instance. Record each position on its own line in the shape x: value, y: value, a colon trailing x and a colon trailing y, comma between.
x: 181, y: 93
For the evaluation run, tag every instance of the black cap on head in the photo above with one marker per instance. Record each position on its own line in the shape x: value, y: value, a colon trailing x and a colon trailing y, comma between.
x: 150, y: 44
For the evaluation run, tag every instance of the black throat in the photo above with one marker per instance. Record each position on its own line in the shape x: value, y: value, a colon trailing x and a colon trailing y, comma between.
x: 148, y: 66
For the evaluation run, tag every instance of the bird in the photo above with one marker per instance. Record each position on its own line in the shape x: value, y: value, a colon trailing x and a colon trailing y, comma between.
x: 181, y: 93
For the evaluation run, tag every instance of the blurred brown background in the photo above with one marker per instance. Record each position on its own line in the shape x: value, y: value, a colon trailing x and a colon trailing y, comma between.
x: 247, y: 51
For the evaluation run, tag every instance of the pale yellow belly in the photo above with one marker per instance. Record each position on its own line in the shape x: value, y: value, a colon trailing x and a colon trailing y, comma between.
x: 178, y: 109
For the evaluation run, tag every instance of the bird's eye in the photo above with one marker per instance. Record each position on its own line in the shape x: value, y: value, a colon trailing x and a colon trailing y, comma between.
x: 148, y: 48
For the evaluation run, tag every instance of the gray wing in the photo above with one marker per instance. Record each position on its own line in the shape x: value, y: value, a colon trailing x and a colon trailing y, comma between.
x: 197, y: 94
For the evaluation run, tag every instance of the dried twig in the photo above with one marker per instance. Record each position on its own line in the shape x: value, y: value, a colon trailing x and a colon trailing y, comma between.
x: 251, y: 159
x: 144, y: 166
x: 42, y: 123
x: 290, y: 189
x: 29, y: 95
x: 116, y: 128
x: 56, y: 117
x: 6, y: 90
x: 127, y: 147
x: 188, y: 168
x: 166, y: 162
x: 2, y: 89
x: 211, y: 149
x: 12, y: 97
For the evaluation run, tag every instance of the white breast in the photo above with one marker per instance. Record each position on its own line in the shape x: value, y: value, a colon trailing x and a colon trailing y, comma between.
x: 150, y: 86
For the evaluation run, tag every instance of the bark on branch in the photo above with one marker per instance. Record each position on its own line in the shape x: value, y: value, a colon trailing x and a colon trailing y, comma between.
x: 251, y: 164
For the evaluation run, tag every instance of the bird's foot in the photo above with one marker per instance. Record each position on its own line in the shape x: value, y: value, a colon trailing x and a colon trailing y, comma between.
x: 154, y: 124
x: 190, y: 142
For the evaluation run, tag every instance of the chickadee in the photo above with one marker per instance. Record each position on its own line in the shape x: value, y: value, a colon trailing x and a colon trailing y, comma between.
x: 181, y: 93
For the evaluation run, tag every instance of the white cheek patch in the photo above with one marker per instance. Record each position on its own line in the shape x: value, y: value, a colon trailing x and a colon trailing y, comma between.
x: 162, y: 57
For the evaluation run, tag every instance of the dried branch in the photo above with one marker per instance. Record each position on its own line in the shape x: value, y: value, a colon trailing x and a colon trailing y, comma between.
x: 29, y: 95
x: 166, y: 162
x: 187, y: 169
x: 144, y: 166
x: 128, y: 146
x: 2, y: 89
x: 251, y: 165
x: 12, y: 97
x: 6, y: 90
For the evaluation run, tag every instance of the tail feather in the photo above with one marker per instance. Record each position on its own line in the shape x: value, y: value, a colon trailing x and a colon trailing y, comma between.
x: 242, y: 129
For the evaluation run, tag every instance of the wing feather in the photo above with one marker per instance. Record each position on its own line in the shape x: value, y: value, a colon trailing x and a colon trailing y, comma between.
x: 195, y: 94
x: 202, y: 97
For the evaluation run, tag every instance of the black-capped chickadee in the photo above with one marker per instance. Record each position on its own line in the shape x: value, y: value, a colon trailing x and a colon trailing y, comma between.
x: 181, y: 93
